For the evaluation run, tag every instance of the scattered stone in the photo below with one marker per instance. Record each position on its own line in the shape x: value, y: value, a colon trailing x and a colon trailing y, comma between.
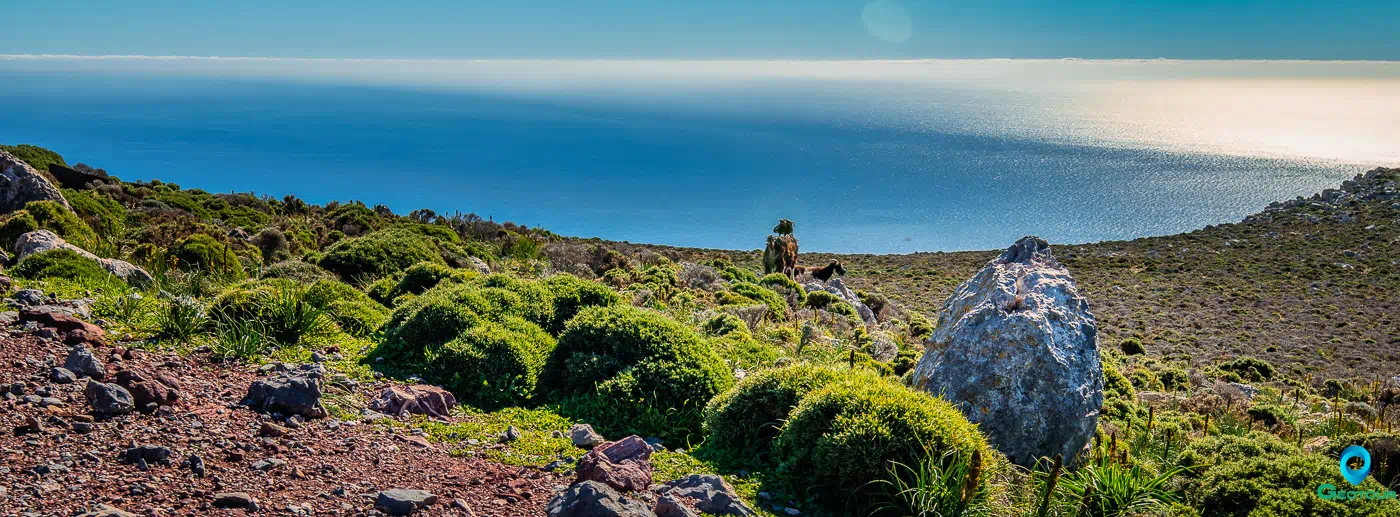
x: 509, y: 435
x: 62, y: 376
x: 234, y: 500
x: 584, y: 436
x: 403, y: 502
x: 103, y: 510
x: 594, y: 499
x: 108, y: 399
x: 273, y: 430
x: 1040, y: 394
x: 294, y: 392
x: 415, y: 400
x: 196, y: 464
x: 711, y: 495
x: 148, y: 453
x: 83, y: 363
x: 622, y: 465
x: 147, y: 389
x: 267, y: 464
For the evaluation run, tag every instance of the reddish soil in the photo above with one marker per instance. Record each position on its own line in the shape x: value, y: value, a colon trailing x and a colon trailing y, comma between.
x: 329, y: 469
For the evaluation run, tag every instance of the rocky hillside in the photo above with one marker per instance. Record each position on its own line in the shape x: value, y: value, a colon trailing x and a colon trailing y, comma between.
x: 1310, y: 284
x: 169, y: 351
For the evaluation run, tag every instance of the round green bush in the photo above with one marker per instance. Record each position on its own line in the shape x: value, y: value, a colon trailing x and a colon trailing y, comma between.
x: 103, y: 214
x: 414, y: 281
x: 205, y: 253
x: 744, y: 421
x: 298, y: 270
x: 777, y: 306
x: 492, y: 364
x: 627, y: 354
x: 497, y: 319
x: 842, y: 437
x: 61, y: 263
x: 48, y: 215
x: 772, y: 280
x: 384, y: 252
x: 572, y: 294
x: 16, y: 224
x: 723, y: 324
x: 353, y: 311
x: 821, y: 299
x: 1132, y: 346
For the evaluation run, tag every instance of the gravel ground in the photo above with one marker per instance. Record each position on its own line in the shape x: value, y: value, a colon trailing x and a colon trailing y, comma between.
x: 324, y: 467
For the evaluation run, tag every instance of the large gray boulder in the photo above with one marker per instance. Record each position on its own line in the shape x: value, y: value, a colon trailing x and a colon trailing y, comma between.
x: 1016, y: 349
x: 20, y: 184
x: 39, y: 241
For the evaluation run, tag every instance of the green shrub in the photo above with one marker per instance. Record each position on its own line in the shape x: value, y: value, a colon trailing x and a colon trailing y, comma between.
x: 1174, y: 379
x: 37, y: 157
x: 487, y: 319
x: 61, y: 263
x: 744, y: 421
x: 14, y: 225
x: 777, y: 306
x: 844, y: 436
x: 821, y: 299
x: 641, y: 357
x: 723, y: 324
x: 492, y: 364
x: 1132, y: 346
x: 772, y: 280
x: 1280, y: 483
x: 572, y: 294
x: 103, y: 214
x: 48, y: 215
x: 297, y: 270
x: 415, y: 280
x: 1385, y: 454
x: 353, y: 218
x: 1249, y: 368
x: 919, y: 326
x: 384, y: 252
x: 352, y: 310
x: 202, y: 252
x: 292, y: 312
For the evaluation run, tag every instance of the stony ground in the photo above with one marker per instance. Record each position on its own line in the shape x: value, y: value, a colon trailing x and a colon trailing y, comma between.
x: 322, y: 467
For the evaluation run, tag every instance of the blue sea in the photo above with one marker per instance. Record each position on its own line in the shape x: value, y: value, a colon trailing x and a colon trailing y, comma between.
x: 864, y: 157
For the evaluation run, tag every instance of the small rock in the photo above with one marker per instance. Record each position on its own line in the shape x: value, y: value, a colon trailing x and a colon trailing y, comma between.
x: 267, y: 464
x: 108, y: 399
x: 403, y: 502
x: 84, y: 363
x: 231, y: 500
x: 62, y: 376
x: 273, y: 430
x: 509, y: 435
x: 584, y: 437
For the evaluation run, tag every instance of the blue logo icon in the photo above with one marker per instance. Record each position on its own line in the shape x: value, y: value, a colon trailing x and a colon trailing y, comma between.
x: 1356, y: 476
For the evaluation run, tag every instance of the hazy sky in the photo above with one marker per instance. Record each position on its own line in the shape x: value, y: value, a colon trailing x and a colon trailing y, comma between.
x: 712, y: 29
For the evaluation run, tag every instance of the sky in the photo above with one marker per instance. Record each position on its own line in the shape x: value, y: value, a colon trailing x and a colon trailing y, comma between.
x: 712, y: 29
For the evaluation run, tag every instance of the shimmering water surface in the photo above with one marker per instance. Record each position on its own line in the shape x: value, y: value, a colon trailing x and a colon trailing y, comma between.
x: 874, y: 157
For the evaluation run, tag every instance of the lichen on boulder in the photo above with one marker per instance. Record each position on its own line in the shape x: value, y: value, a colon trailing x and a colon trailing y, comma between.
x: 1016, y: 349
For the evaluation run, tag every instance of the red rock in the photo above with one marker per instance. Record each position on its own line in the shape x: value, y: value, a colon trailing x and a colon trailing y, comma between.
x: 418, y: 400
x: 62, y: 321
x: 147, y: 389
x: 622, y: 465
